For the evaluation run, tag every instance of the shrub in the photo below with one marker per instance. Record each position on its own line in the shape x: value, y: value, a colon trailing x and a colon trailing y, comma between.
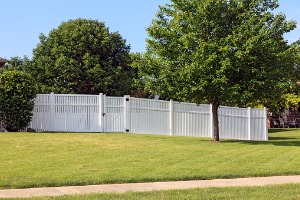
x: 17, y: 93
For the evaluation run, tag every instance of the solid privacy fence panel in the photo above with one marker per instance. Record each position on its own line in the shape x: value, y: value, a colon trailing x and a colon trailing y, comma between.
x: 243, y: 123
x: 234, y: 122
x: 148, y: 116
x: 99, y: 113
x: 192, y: 120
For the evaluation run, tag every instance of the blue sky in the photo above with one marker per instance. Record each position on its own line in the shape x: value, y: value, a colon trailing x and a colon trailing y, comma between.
x: 22, y: 21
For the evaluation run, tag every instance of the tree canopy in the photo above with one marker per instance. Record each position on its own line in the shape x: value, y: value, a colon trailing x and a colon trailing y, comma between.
x: 81, y: 56
x: 219, y: 51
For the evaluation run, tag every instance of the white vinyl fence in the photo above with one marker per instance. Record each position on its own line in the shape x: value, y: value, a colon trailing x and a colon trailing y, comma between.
x: 99, y: 113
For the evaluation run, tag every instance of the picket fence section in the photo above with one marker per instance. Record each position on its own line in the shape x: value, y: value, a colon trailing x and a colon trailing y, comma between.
x: 99, y: 113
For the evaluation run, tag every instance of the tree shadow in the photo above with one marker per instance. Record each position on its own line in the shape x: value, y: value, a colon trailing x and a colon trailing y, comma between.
x: 277, y: 130
x: 276, y: 140
x: 281, y: 138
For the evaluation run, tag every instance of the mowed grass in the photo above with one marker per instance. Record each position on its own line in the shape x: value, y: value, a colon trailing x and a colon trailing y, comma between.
x: 59, y: 159
x: 282, y: 192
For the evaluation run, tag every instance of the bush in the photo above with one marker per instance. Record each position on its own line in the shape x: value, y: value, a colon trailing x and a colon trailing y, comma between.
x: 17, y: 93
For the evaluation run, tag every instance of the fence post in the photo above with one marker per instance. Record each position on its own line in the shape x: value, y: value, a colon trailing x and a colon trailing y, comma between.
x: 51, y: 127
x: 212, y: 122
x: 127, y: 111
x: 249, y: 123
x: 266, y: 123
x: 171, y: 125
x: 104, y: 114
x: 101, y: 112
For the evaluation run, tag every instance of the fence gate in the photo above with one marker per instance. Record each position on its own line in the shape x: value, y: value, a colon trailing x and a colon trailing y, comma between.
x: 113, y: 114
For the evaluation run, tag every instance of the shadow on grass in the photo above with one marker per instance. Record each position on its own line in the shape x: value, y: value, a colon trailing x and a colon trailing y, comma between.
x: 276, y: 140
x: 282, y: 138
x: 277, y: 130
x: 270, y: 142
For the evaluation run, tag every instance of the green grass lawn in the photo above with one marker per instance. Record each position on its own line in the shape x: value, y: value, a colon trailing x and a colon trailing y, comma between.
x: 58, y: 159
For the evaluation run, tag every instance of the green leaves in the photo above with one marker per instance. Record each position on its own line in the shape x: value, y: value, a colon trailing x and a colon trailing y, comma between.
x: 81, y: 56
x: 17, y: 93
x: 233, y: 51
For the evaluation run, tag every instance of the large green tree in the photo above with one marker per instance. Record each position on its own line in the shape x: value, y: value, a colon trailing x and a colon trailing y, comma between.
x: 229, y: 52
x: 82, y: 56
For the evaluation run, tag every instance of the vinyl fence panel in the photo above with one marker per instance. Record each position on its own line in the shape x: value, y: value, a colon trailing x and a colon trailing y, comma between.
x: 243, y: 123
x: 66, y: 113
x: 259, y: 128
x: 41, y: 119
x: 192, y: 120
x: 114, y: 114
x: 234, y: 123
x: 149, y: 116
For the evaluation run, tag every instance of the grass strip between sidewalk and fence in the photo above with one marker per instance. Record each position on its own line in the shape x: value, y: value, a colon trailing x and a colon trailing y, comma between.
x: 65, y: 159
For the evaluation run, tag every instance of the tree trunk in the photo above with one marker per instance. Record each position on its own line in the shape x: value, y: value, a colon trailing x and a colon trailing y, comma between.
x: 215, y: 107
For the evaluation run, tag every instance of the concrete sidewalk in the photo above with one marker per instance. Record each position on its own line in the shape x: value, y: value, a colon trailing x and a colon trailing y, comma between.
x: 141, y: 187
